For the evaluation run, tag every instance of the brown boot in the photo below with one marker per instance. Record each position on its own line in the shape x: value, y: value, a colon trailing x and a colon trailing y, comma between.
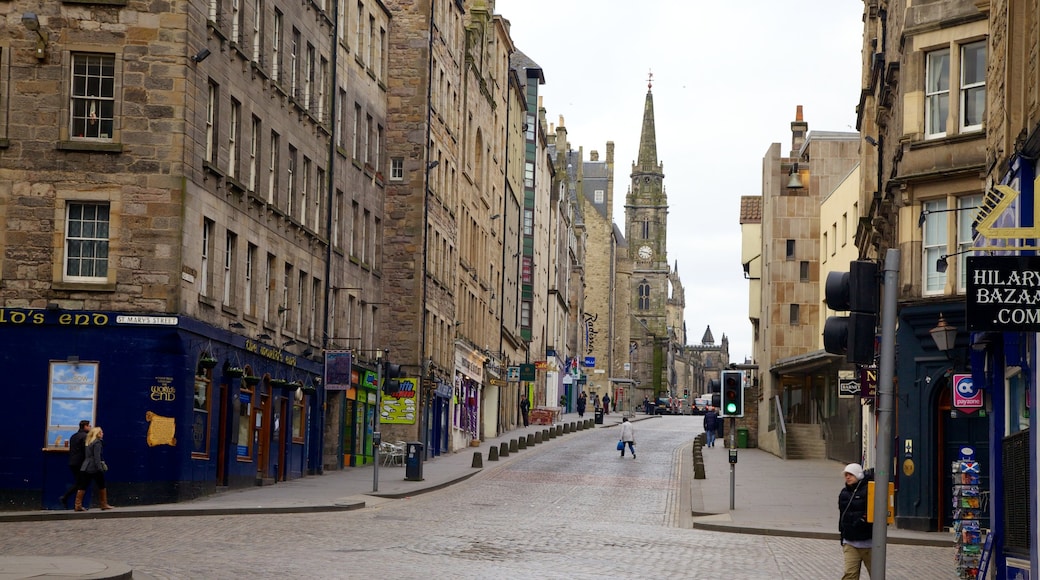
x: 79, y: 499
x: 104, y: 500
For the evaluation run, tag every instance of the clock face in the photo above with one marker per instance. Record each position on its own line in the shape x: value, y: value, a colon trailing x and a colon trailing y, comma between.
x: 645, y: 252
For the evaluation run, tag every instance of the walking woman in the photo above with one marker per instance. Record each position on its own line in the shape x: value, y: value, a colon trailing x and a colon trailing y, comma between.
x: 94, y: 468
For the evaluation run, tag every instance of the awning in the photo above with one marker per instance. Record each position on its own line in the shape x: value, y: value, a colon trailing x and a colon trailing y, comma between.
x: 804, y: 363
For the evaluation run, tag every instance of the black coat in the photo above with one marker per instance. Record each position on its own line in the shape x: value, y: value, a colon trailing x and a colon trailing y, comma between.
x: 710, y: 421
x: 852, y: 510
x: 95, y: 457
x: 77, y: 449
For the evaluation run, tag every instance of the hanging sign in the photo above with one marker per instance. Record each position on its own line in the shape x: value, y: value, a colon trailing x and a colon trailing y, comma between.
x: 966, y: 396
x: 1003, y: 293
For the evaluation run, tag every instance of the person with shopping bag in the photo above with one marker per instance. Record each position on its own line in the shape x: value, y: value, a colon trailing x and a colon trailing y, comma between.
x: 628, y: 437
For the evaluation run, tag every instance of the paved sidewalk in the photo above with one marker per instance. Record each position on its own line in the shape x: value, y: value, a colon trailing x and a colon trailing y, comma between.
x: 773, y: 497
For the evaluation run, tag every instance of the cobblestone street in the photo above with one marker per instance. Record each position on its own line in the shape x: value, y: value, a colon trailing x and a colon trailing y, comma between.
x: 572, y: 509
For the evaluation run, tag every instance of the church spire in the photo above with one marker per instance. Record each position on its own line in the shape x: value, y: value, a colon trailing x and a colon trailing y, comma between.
x: 648, y: 139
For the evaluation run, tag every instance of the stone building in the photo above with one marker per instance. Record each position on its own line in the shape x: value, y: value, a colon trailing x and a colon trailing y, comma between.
x: 786, y: 410
x: 923, y: 117
x: 192, y: 212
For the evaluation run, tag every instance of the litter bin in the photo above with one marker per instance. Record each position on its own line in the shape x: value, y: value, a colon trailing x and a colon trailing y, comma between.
x: 599, y: 416
x: 742, y: 435
x: 413, y: 461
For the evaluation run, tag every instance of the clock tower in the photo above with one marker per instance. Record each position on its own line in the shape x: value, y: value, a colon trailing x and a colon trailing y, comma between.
x: 646, y: 232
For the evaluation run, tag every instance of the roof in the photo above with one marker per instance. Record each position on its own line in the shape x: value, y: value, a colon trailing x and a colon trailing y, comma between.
x: 751, y: 209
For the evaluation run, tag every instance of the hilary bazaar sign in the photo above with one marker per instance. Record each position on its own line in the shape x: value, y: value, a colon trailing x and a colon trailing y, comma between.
x: 1003, y: 293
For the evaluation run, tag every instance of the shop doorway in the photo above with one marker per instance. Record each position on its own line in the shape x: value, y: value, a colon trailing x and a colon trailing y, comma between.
x: 959, y: 430
x: 262, y: 435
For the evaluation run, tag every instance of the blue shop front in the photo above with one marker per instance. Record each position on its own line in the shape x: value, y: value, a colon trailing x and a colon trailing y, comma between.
x: 186, y: 407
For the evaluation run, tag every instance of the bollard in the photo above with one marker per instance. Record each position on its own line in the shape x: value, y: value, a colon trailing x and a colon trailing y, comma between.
x: 559, y: 430
x: 566, y: 428
x: 579, y: 425
x: 698, y: 470
x: 530, y: 440
x: 493, y: 454
x: 574, y: 426
x: 478, y: 460
x: 549, y: 434
x: 521, y: 443
x: 538, y: 437
x: 513, y: 447
x: 504, y: 451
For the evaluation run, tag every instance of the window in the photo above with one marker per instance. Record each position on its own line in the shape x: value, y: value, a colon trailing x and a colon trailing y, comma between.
x: 93, y: 96
x: 254, y: 153
x: 308, y: 78
x: 645, y: 229
x: 341, y: 120
x: 528, y: 222
x: 319, y: 199
x: 357, y: 131
x: 229, y: 268
x: 397, y: 169
x: 934, y: 245
x: 323, y: 87
x: 368, y: 140
x: 270, y: 299
x: 794, y: 311
x: 803, y: 271
x: 371, y: 40
x: 834, y: 236
x: 599, y: 196
x: 86, y: 242
x: 359, y: 39
x: 301, y: 288
x: 244, y: 439
x: 207, y: 251
x: 286, y: 289
x: 305, y: 190
x: 200, y: 426
x: 973, y: 85
x: 355, y: 228
x: 273, y: 169
x: 290, y: 187
x: 258, y: 26
x: 211, y: 128
x: 299, y: 419
x: 337, y: 211
x: 844, y: 229
x: 937, y: 93
x: 790, y: 250
x: 233, y: 153
x: 276, y: 47
x: 236, y: 22
x: 528, y: 174
x: 378, y: 157
x: 294, y: 47
x: 644, y: 295
x: 824, y: 248
x: 72, y: 398
x: 968, y: 205
x: 250, y: 293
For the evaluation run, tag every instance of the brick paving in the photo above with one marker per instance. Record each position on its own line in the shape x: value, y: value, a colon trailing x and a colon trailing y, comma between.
x: 568, y: 508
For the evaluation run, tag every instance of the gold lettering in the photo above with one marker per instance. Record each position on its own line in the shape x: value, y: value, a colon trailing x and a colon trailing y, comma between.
x: 64, y: 319
x: 17, y: 317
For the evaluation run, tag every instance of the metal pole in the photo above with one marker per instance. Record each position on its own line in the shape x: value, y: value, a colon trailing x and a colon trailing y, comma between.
x: 732, y: 466
x: 376, y: 435
x: 886, y: 400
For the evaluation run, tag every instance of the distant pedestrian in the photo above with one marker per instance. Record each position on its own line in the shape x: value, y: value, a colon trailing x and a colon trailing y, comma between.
x: 77, y: 453
x: 646, y: 405
x: 711, y: 419
x: 93, y: 469
x: 583, y: 400
x: 563, y: 402
x: 525, y: 408
x: 628, y: 437
x: 856, y: 532
x: 606, y: 404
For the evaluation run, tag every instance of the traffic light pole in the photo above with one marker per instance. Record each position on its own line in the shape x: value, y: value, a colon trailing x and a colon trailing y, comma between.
x: 732, y: 464
x: 886, y: 400
x: 376, y: 435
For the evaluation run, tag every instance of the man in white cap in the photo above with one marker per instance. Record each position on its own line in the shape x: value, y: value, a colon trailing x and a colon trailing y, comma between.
x: 856, y: 531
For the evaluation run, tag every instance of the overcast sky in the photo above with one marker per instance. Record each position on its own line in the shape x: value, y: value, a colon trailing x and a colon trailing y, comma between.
x: 727, y: 78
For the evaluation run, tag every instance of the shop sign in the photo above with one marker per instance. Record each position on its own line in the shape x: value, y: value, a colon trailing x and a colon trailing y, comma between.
x: 966, y: 396
x: 848, y: 388
x: 399, y: 407
x: 527, y: 372
x: 1003, y: 293
x: 338, y: 370
x: 513, y: 374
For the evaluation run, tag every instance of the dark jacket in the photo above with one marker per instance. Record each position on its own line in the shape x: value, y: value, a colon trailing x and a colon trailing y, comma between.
x: 711, y: 420
x: 525, y: 406
x: 852, y: 510
x: 95, y: 457
x: 77, y: 449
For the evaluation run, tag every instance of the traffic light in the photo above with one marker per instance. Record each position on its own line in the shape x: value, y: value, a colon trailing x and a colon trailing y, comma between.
x: 391, y: 374
x: 732, y: 394
x: 856, y: 292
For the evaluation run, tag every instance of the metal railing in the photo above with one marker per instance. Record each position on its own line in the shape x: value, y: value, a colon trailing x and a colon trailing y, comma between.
x: 781, y: 427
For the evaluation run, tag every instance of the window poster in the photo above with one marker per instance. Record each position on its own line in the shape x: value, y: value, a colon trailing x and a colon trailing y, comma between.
x: 73, y: 393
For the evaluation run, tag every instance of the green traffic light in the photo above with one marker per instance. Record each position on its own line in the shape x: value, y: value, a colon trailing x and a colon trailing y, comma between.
x: 731, y: 408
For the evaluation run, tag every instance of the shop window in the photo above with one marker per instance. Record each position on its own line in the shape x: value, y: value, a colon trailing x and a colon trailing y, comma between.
x: 299, y: 419
x: 244, y: 439
x: 200, y: 417
x: 72, y: 398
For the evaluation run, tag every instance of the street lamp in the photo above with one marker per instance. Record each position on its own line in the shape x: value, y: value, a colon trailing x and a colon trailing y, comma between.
x: 944, y: 335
